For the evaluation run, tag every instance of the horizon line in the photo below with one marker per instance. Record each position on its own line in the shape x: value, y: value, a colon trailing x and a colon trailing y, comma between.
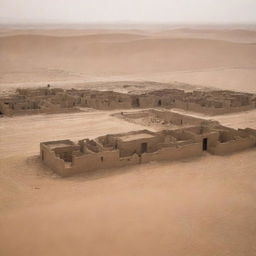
x: 127, y: 23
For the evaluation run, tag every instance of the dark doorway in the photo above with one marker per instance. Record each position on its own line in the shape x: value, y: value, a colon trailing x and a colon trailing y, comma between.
x: 136, y: 102
x: 205, y: 144
x: 159, y: 103
x: 144, y: 147
x: 42, y: 155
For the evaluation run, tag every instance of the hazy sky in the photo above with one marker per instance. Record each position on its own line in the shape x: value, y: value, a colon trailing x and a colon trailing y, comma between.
x: 142, y: 11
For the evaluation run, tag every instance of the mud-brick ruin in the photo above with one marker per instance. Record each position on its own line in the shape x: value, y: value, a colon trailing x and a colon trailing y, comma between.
x: 137, y: 147
x: 34, y: 101
x: 161, y: 119
x: 207, y: 102
x: 55, y: 100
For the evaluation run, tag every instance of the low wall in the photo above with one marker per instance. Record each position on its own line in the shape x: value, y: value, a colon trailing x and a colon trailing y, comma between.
x: 176, y: 118
x: 211, y: 136
x: 50, y: 159
x: 173, y: 153
x: 216, y: 111
x: 101, y: 160
x: 131, y: 147
x: 248, y: 131
x: 88, y: 162
x: 232, y: 146
x: 136, y: 115
x: 99, y: 103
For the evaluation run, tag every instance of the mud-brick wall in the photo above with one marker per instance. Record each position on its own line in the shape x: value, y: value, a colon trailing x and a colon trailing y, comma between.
x: 173, y: 153
x: 212, y: 137
x: 192, y: 120
x: 65, y: 153
x: 232, y: 146
x: 5, y: 109
x: 123, y: 104
x: 136, y: 115
x: 216, y: 111
x: 248, y: 131
x: 241, y: 108
x: 130, y: 160
x: 50, y: 159
x: 176, y: 118
x: 167, y: 101
x: 181, y: 104
x: 198, y: 108
x: 168, y: 116
x: 148, y: 101
x: 94, y: 161
x: 131, y: 147
x: 101, y: 160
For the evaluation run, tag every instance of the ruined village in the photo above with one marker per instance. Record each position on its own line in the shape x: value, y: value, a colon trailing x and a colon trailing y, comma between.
x: 178, y: 135
x: 54, y: 100
x: 127, y: 128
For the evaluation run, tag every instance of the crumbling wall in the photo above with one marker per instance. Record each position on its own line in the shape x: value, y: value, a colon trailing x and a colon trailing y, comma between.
x: 131, y: 147
x: 232, y: 146
x: 211, y: 136
x: 101, y: 160
x: 93, y: 161
x: 216, y: 111
x: 5, y: 110
x: 136, y: 115
x: 51, y: 160
x: 248, y: 131
x: 173, y: 153
x: 176, y: 118
x: 148, y: 101
x: 180, y: 104
x: 211, y: 103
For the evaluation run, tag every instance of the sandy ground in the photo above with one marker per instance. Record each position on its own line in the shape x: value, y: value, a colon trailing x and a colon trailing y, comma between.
x: 224, y: 58
x: 201, y: 206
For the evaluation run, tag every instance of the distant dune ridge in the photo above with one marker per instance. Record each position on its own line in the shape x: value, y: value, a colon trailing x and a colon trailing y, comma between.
x: 220, y: 58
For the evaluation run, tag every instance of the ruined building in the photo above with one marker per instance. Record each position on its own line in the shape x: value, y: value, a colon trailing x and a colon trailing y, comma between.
x: 33, y: 101
x: 116, y: 150
x: 52, y: 100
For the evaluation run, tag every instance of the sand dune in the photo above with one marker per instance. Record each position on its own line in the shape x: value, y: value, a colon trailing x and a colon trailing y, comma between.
x: 232, y: 35
x: 108, y: 51
x: 128, y: 55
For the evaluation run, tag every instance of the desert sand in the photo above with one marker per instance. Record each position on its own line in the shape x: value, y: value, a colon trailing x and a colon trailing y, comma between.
x: 202, y: 206
x: 224, y: 58
x: 199, y: 206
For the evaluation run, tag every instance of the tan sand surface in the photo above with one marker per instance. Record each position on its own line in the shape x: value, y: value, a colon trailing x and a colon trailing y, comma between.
x: 224, y: 58
x: 203, y: 207
x: 39, y: 128
x: 200, y: 206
